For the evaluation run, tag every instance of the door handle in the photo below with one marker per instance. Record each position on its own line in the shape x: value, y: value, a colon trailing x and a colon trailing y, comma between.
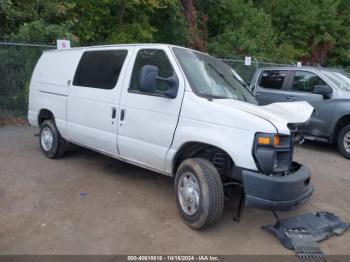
x: 291, y: 98
x: 122, y: 114
x: 114, y: 112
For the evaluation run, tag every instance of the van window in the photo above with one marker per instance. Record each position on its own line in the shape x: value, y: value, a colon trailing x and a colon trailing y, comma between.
x: 273, y: 79
x: 156, y: 58
x: 99, y: 69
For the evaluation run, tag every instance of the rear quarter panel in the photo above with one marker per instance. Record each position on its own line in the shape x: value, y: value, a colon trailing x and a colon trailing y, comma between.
x: 49, y: 85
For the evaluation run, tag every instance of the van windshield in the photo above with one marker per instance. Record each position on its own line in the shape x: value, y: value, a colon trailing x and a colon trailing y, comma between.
x: 209, y: 77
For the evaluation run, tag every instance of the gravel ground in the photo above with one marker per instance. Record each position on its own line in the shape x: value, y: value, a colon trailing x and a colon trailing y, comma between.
x: 87, y: 203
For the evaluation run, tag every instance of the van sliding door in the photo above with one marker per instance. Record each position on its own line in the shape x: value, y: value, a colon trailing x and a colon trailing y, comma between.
x: 93, y: 102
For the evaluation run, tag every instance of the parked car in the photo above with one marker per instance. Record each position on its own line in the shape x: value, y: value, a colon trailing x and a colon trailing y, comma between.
x: 328, y: 90
x: 174, y: 111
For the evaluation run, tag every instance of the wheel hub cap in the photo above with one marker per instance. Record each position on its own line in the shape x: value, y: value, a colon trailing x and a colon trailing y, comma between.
x: 188, y: 193
x: 46, y: 138
x: 347, y: 142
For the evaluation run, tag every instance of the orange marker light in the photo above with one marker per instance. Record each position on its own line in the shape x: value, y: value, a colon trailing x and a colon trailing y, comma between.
x: 276, y: 140
x: 263, y: 140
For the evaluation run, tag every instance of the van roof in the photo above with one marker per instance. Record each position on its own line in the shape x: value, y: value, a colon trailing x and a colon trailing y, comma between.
x: 117, y: 45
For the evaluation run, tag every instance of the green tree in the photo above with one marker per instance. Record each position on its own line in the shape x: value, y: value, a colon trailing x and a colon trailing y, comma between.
x: 171, y: 24
x: 196, y: 23
x: 307, y: 28
x: 123, y: 21
x: 340, y: 54
x: 236, y: 27
x: 314, y: 31
x: 35, y: 21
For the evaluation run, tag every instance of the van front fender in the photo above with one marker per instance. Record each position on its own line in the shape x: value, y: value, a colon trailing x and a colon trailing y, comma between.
x: 237, y: 143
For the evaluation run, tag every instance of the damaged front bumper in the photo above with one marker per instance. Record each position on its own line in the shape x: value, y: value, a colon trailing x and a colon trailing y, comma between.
x: 279, y: 193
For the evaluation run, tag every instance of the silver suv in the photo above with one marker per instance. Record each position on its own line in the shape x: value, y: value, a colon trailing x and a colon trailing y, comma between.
x: 328, y: 90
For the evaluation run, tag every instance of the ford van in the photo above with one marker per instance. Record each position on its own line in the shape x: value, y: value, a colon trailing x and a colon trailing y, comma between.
x: 175, y: 111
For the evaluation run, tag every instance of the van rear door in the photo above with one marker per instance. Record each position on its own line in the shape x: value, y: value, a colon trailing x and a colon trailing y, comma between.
x: 93, y: 102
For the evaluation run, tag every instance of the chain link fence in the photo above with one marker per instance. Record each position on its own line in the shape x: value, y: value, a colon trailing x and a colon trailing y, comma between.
x: 17, y: 61
x: 247, y: 72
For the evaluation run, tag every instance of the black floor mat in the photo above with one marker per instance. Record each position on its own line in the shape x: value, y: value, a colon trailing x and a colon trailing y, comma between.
x: 301, y: 233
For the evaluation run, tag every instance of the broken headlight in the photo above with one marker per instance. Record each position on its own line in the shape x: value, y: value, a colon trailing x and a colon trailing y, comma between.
x: 273, y: 153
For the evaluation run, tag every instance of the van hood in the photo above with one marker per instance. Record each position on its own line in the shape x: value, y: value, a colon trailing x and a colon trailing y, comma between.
x: 278, y: 114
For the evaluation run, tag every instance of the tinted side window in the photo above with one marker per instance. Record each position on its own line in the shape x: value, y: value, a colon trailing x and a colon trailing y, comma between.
x: 273, y: 79
x: 306, y: 81
x: 154, y: 57
x: 100, y: 69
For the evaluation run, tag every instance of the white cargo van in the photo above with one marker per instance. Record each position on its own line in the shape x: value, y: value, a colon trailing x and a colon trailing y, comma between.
x: 175, y: 111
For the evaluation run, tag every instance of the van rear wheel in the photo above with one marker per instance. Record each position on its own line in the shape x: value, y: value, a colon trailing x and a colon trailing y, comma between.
x: 199, y: 193
x: 344, y: 141
x: 51, y: 142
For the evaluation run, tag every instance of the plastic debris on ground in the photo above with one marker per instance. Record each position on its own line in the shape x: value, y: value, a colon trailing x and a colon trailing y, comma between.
x: 301, y: 233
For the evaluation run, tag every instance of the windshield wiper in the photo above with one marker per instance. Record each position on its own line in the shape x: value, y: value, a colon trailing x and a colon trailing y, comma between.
x: 210, y: 96
x: 217, y: 71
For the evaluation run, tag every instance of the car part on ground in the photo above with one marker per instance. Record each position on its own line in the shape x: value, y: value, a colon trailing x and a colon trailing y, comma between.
x: 305, y: 245
x: 301, y: 233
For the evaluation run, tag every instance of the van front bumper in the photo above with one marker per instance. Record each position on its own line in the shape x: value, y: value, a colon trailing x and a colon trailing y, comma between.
x: 279, y: 193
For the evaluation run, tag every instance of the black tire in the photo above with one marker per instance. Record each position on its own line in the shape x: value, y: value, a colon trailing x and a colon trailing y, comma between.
x: 211, y: 192
x: 58, y: 144
x: 343, y: 132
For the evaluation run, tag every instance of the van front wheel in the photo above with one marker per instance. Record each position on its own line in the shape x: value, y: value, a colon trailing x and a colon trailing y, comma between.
x: 199, y: 193
x: 51, y: 142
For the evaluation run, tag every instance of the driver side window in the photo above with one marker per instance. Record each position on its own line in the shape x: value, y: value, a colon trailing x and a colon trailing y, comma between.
x: 304, y: 81
x: 158, y: 59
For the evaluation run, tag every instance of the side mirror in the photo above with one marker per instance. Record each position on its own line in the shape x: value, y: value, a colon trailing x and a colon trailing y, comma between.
x: 324, y: 90
x: 149, y: 79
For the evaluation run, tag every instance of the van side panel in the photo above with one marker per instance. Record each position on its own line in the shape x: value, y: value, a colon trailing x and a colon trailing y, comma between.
x: 49, y: 86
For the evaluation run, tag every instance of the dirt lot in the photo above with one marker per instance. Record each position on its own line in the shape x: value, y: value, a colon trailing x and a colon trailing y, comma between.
x: 86, y: 203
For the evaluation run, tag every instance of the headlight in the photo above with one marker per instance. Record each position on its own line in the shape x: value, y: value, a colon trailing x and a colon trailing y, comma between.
x: 272, y: 153
x: 267, y: 139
